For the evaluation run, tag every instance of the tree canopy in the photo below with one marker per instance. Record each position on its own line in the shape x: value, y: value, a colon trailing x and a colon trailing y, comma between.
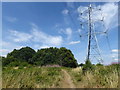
x: 24, y: 53
x: 52, y: 55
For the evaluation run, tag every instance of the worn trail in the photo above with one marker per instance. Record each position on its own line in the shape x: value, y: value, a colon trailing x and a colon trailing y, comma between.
x: 67, y: 81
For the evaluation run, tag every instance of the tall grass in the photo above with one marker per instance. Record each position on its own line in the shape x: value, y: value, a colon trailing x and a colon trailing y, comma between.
x: 100, y: 77
x: 52, y: 77
x: 31, y: 77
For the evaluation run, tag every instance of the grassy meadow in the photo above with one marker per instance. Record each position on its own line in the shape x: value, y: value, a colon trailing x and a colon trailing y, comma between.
x: 100, y: 77
x: 33, y: 77
x: 54, y: 77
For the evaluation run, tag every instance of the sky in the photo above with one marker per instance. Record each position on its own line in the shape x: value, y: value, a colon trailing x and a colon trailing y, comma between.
x: 57, y: 24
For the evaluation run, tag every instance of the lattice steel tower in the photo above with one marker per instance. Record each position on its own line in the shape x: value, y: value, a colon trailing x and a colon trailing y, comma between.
x: 93, y: 50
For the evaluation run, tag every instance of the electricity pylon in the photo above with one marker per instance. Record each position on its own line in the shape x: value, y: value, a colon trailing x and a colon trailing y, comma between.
x: 93, y: 50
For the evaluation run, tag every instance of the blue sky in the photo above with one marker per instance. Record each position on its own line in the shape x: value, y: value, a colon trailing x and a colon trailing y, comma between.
x: 56, y: 24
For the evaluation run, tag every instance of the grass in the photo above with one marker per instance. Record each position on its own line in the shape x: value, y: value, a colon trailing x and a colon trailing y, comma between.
x: 31, y: 77
x: 52, y: 77
x: 100, y: 77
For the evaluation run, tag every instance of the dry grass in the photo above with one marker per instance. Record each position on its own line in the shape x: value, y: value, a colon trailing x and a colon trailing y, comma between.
x: 78, y: 69
x: 101, y: 77
x: 31, y: 77
x: 52, y: 77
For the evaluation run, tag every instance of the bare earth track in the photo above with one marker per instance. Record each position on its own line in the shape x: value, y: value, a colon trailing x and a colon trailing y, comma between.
x: 67, y: 81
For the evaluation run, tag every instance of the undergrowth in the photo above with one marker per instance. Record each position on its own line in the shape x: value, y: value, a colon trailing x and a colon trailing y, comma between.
x: 100, y: 77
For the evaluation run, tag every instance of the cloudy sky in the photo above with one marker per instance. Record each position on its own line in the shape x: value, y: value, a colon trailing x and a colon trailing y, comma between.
x: 56, y: 24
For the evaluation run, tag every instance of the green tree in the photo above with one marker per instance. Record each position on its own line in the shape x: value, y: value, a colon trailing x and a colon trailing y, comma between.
x: 52, y: 55
x: 66, y: 58
x: 23, y: 54
x: 62, y: 56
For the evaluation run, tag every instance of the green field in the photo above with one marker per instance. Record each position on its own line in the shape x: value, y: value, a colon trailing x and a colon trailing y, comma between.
x: 60, y: 77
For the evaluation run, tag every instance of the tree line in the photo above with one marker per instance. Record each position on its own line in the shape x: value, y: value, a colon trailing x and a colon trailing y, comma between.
x: 60, y: 56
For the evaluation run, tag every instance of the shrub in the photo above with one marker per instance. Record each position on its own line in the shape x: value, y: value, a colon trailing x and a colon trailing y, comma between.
x: 99, y: 64
x: 87, y: 66
x: 81, y: 65
x: 8, y: 60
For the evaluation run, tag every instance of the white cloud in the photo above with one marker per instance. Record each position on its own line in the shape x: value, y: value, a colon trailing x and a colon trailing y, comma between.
x: 68, y: 31
x: 38, y: 46
x: 4, y: 50
x: 44, y: 46
x: 74, y: 42
x: 36, y: 35
x: 115, y: 50
x: 108, y: 10
x: 20, y: 36
x: 110, y: 13
x: 115, y: 54
x: 65, y: 12
x: 116, y: 59
x: 19, y: 47
x: 8, y: 47
x: 81, y: 9
x: 11, y: 19
x: 39, y: 36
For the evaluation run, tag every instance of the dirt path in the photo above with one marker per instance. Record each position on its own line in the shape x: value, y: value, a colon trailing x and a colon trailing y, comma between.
x: 67, y: 81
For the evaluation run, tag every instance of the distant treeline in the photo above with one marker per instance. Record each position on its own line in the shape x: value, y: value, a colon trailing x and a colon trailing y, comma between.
x: 26, y: 55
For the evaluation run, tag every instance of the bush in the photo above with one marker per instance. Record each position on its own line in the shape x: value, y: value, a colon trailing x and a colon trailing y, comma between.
x: 99, y: 64
x: 81, y: 65
x: 14, y: 64
x: 18, y: 64
x: 87, y: 66
x: 8, y: 60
